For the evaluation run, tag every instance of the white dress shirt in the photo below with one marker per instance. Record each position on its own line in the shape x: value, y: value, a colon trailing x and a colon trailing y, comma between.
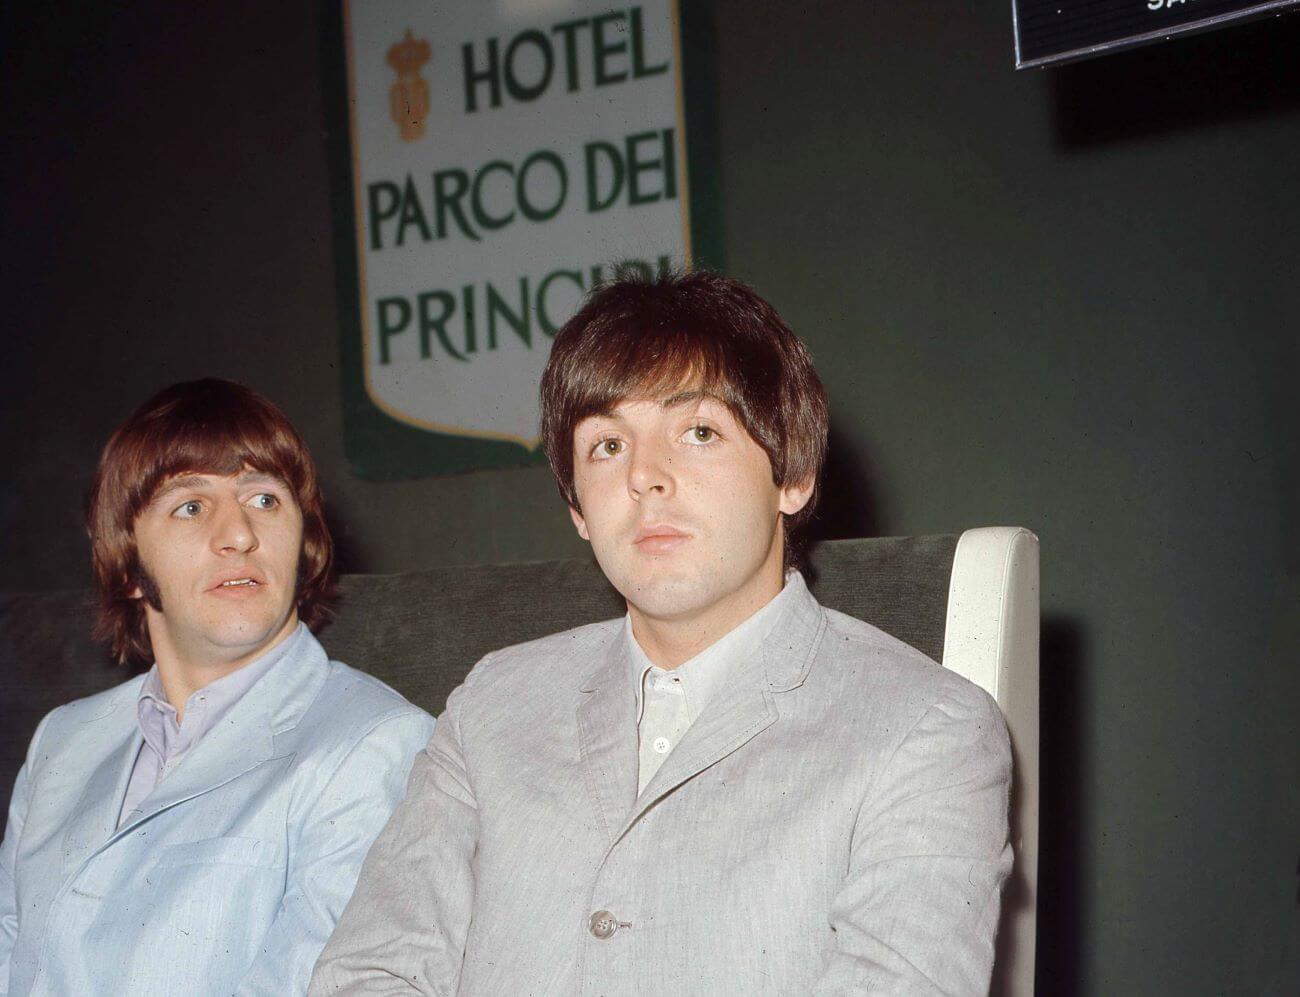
x: 166, y: 742
x: 669, y: 701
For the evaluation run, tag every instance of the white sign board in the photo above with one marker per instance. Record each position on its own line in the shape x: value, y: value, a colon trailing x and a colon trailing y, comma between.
x: 506, y: 157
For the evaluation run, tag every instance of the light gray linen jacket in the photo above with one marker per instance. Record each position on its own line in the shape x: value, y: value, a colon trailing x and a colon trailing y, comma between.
x: 834, y: 822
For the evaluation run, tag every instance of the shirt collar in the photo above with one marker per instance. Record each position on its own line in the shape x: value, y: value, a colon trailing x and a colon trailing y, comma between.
x: 205, y: 707
x: 701, y: 676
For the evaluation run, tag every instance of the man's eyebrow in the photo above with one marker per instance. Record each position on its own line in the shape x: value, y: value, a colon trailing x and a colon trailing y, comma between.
x: 608, y: 411
x: 259, y: 477
x: 675, y: 400
x: 185, y: 482
x: 678, y: 398
x: 180, y: 484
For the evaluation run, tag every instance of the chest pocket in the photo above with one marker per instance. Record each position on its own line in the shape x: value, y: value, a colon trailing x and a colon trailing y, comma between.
x: 199, y: 912
x: 221, y: 851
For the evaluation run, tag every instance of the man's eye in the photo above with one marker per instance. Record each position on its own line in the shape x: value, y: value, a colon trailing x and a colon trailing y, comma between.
x: 187, y: 510
x: 264, y: 501
x: 607, y: 448
x: 701, y: 434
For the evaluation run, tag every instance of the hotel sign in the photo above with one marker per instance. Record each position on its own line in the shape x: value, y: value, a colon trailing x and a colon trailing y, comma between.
x: 502, y: 160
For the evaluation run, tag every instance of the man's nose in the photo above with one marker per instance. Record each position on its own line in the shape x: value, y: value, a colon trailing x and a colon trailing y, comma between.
x: 233, y: 530
x: 651, y: 472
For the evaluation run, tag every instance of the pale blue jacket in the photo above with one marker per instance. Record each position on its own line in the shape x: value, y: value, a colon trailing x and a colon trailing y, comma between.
x: 231, y: 879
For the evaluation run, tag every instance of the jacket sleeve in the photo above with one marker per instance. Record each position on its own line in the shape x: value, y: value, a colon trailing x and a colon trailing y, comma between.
x: 404, y: 930
x: 918, y: 909
x: 326, y: 849
x: 19, y: 803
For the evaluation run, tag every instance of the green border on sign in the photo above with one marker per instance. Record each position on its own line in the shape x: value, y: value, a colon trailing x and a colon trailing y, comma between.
x: 381, y: 448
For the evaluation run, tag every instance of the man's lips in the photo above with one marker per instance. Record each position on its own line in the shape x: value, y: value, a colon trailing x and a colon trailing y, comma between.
x: 659, y: 538
x: 237, y: 580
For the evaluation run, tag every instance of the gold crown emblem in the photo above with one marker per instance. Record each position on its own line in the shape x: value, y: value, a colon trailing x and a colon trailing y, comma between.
x: 408, y: 98
x: 408, y: 55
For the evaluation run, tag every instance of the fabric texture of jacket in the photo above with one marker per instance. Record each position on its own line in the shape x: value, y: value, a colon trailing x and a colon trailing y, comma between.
x: 234, y: 874
x: 835, y: 821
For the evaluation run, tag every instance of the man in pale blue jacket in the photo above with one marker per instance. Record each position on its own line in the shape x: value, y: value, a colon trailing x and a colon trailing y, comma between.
x: 199, y: 828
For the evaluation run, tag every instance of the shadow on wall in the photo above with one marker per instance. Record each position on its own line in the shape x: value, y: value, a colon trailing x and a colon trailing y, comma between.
x: 1063, y: 854
x: 348, y: 556
x: 1234, y: 74
x: 847, y: 508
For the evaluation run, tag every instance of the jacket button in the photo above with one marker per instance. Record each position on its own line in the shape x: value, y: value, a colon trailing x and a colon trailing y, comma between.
x: 603, y: 924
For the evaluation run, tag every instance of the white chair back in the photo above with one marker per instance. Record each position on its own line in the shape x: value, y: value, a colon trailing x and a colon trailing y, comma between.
x: 991, y: 638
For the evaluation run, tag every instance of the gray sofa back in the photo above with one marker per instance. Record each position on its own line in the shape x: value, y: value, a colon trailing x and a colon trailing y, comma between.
x: 422, y: 632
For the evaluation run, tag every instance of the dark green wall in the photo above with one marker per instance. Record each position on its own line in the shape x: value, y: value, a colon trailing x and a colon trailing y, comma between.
x: 1067, y: 299
x: 1063, y: 299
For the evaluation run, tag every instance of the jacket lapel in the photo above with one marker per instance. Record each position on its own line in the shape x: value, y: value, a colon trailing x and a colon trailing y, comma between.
x: 245, y: 738
x: 746, y: 704
x: 117, y: 742
x: 242, y: 742
x: 741, y: 709
x: 607, y: 737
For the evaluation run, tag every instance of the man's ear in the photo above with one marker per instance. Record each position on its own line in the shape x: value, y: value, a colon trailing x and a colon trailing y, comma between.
x: 146, y: 590
x: 795, y: 496
x: 579, y: 523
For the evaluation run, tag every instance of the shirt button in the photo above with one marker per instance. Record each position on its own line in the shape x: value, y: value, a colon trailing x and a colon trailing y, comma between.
x: 661, y: 745
x: 603, y: 924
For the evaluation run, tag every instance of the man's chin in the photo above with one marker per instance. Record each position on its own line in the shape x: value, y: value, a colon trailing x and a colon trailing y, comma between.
x: 242, y: 638
x: 669, y: 596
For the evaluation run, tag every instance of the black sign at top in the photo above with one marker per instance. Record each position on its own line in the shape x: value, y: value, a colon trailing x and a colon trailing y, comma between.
x: 1059, y: 30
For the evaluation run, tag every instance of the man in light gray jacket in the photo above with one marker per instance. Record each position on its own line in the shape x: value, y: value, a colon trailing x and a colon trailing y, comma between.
x: 731, y: 790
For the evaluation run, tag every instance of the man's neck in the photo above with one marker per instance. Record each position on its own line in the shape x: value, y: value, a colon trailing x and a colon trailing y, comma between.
x: 671, y: 642
x: 182, y: 675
